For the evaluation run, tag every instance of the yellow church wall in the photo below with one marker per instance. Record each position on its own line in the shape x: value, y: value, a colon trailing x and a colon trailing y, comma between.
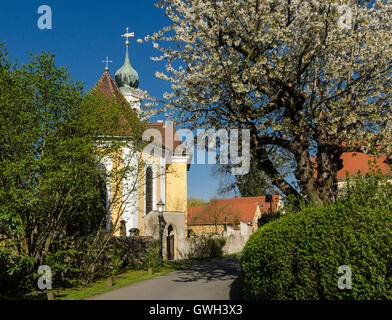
x: 144, y: 160
x: 141, y: 198
x: 116, y: 190
x: 176, y: 187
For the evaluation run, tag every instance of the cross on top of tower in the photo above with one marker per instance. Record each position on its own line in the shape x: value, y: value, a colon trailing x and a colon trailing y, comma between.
x: 107, y: 61
x: 128, y: 35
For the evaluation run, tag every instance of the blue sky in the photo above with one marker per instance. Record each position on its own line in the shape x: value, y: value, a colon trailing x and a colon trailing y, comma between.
x: 85, y: 32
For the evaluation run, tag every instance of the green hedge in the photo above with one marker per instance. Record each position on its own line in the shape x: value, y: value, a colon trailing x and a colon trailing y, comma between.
x: 298, y: 255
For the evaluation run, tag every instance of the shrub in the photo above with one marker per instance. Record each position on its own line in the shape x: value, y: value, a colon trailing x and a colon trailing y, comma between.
x: 298, y: 255
x: 198, y: 247
x: 13, y: 275
x: 153, y: 258
x: 215, y: 246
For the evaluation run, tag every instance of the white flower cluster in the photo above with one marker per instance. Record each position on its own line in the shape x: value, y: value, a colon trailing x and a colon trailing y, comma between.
x: 287, y: 68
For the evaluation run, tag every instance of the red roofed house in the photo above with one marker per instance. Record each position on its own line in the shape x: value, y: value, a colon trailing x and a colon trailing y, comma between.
x: 358, y: 162
x: 222, y: 213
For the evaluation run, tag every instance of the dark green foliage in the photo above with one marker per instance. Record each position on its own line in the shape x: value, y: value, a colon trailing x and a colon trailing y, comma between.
x: 215, y: 246
x: 268, y: 217
x: 298, y: 255
x: 195, y: 202
x: 252, y: 184
x: 153, y: 258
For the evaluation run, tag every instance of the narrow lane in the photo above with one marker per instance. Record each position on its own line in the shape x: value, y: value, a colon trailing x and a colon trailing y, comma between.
x: 216, y: 280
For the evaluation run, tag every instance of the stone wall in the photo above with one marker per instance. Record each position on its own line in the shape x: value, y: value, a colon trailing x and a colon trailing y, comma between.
x: 133, y: 251
x: 234, y: 243
x: 236, y: 239
x: 103, y: 255
x: 207, y: 228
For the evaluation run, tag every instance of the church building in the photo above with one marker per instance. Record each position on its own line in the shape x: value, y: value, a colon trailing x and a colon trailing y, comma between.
x: 160, y: 181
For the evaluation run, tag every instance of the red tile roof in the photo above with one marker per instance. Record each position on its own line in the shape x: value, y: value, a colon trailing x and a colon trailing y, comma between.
x: 241, y: 209
x: 259, y: 199
x: 108, y: 87
x: 354, y: 161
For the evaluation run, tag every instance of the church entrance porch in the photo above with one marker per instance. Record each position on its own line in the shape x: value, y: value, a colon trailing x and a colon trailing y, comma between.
x: 174, y: 244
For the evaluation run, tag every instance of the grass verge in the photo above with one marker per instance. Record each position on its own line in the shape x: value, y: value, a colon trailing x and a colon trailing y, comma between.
x: 100, y: 286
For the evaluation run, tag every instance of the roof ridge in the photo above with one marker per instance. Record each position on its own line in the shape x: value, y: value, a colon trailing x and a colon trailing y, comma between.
x: 106, y: 82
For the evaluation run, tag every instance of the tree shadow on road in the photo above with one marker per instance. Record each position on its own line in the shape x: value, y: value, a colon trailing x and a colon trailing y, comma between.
x: 227, y: 269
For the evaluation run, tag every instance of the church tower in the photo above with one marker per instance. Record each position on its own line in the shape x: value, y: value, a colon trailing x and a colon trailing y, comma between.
x: 127, y: 79
x: 151, y: 180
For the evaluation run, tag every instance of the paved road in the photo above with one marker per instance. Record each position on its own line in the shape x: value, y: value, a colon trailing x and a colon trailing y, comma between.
x: 217, y: 280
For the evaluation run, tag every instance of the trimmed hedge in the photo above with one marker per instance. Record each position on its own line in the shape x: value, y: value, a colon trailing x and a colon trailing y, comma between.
x: 298, y: 255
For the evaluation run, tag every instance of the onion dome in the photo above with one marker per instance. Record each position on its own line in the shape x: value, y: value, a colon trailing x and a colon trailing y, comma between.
x: 127, y: 76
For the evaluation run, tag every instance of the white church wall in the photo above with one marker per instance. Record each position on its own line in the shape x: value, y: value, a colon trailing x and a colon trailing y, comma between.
x: 107, y: 163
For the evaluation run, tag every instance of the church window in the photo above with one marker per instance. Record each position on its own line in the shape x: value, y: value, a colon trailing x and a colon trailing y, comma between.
x: 149, y: 190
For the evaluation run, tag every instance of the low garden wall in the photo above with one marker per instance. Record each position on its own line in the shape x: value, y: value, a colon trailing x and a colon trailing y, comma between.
x: 80, y: 260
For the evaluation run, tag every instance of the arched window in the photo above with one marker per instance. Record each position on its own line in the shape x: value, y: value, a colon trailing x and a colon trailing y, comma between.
x: 149, y: 191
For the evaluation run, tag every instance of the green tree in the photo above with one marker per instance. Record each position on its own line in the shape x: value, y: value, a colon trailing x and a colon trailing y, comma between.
x: 195, y: 202
x: 50, y: 130
x: 253, y: 184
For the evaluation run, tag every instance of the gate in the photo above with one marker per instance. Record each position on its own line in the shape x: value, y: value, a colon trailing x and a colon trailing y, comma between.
x: 170, y: 244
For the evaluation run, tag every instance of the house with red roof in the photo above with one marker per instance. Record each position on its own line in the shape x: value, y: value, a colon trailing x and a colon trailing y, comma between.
x: 355, y: 163
x: 359, y: 163
x: 221, y: 214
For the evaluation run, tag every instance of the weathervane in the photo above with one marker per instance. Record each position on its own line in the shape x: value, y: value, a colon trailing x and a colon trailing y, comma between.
x: 107, y: 61
x: 128, y: 35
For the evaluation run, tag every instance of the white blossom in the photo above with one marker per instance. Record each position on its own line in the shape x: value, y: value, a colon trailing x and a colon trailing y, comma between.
x: 287, y: 69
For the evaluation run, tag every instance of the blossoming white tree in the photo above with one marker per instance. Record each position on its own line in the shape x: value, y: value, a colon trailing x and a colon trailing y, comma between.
x: 307, y: 77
